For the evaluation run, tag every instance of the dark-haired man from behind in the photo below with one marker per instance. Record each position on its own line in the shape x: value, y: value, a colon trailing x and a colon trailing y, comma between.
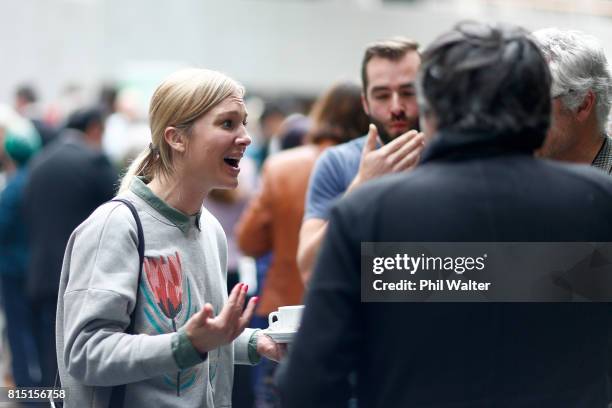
x: 67, y: 181
x: 484, y: 98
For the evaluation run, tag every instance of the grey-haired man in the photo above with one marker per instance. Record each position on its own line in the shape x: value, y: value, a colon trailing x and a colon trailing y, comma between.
x: 581, y: 92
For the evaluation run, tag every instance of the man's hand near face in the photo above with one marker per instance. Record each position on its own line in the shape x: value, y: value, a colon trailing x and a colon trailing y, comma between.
x: 401, y: 154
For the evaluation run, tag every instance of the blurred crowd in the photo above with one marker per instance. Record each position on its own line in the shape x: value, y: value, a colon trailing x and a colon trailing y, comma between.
x: 59, y: 163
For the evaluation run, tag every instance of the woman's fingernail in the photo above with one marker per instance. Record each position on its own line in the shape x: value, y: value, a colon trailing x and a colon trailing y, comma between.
x: 246, y: 288
x: 255, y: 299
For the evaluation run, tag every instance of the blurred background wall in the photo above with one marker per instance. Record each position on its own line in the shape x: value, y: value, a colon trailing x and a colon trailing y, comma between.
x: 298, y: 46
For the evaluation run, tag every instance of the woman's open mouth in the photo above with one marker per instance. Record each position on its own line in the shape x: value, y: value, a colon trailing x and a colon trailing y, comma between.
x: 232, y: 162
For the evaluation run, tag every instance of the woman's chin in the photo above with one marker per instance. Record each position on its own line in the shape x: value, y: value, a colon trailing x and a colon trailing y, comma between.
x: 227, y: 185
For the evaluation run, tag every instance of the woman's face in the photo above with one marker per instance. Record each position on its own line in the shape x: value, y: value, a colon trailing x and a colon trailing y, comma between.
x: 216, y: 144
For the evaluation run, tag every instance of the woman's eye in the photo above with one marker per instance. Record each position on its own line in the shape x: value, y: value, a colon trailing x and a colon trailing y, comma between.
x: 227, y: 124
x: 245, y: 122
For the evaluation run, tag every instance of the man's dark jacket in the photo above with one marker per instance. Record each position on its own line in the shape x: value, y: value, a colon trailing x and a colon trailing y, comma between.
x: 68, y: 180
x: 456, y: 355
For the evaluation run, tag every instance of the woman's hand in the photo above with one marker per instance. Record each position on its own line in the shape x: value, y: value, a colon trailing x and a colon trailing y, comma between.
x: 266, y: 347
x: 208, y: 332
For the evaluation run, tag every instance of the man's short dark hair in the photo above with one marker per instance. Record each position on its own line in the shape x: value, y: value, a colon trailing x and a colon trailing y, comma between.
x: 392, y: 49
x: 491, y: 78
x: 27, y: 93
x: 82, y: 119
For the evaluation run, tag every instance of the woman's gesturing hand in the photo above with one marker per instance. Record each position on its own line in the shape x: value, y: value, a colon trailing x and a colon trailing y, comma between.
x: 207, y: 331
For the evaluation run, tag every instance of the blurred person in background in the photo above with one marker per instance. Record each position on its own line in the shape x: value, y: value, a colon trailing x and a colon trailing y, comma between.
x: 582, y: 96
x: 19, y: 141
x: 294, y: 127
x: 107, y: 99
x: 227, y: 206
x: 293, y: 130
x: 5, y: 355
x: 67, y: 181
x: 484, y: 98
x: 272, y: 220
x: 126, y: 132
x: 388, y: 71
x: 270, y: 122
x: 26, y: 104
x: 164, y: 332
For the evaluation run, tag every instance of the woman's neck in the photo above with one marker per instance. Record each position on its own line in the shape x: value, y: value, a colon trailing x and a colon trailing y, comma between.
x: 180, y: 195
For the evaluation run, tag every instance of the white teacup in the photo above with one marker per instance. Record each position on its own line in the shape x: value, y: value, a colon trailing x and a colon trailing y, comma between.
x: 287, y: 318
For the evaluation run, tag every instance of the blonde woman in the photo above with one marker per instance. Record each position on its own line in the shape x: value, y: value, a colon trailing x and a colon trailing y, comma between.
x: 170, y: 338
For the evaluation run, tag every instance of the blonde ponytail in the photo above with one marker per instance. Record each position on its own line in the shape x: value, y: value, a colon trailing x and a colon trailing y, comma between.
x: 142, y: 165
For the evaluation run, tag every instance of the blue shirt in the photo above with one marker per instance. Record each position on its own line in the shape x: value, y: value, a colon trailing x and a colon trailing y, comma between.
x: 332, y: 174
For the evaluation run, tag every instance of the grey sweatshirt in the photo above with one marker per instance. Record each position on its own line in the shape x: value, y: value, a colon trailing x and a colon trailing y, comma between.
x: 184, y: 268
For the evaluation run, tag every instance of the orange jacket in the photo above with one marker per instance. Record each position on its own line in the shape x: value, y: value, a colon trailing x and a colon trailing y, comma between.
x: 272, y: 222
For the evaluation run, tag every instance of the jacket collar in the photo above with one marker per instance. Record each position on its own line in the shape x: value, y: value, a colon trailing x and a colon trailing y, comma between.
x: 456, y: 145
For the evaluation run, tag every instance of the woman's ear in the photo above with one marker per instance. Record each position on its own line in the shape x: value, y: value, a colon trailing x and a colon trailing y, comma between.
x: 175, y: 139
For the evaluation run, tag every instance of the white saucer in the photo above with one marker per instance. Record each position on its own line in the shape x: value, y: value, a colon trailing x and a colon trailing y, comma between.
x: 280, y: 336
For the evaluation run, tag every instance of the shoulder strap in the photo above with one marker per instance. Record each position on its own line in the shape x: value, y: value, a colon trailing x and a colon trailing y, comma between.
x: 140, y: 233
x: 118, y: 392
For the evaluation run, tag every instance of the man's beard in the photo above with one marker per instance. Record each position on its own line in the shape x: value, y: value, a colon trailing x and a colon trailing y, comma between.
x: 385, y: 136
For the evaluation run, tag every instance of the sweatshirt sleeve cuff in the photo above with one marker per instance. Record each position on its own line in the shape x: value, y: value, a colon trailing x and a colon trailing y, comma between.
x: 245, y: 348
x: 254, y: 356
x: 183, y: 351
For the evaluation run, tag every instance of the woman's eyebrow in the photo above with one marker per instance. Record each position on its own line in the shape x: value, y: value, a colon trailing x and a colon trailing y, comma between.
x: 233, y: 112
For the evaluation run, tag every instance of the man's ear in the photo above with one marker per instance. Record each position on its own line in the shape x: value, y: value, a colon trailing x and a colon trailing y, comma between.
x: 428, y: 124
x: 586, y: 107
x: 364, y: 103
x: 175, y: 139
